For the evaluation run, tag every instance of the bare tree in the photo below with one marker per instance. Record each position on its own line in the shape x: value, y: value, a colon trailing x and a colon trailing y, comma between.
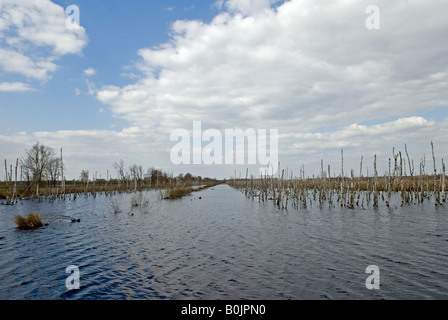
x: 54, y: 170
x: 136, y: 173
x: 119, y: 167
x: 84, y: 177
x: 155, y: 176
x: 36, y: 163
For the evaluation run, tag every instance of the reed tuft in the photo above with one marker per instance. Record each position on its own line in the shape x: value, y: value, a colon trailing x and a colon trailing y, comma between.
x: 31, y: 221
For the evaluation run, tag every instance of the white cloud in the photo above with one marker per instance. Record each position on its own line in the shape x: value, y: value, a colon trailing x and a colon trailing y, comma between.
x: 89, y: 72
x: 12, y: 61
x: 81, y: 148
x: 247, y: 6
x: 96, y: 150
x: 310, y: 69
x: 15, y: 87
x: 282, y: 66
x: 304, y: 67
x: 219, y: 4
x: 33, y: 35
x: 364, y: 137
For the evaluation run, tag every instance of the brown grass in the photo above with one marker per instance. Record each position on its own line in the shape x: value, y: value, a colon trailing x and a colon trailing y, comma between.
x: 182, y: 190
x: 32, y: 221
x: 179, y: 192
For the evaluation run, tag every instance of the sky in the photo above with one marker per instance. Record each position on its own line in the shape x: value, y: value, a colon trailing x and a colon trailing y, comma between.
x: 134, y: 72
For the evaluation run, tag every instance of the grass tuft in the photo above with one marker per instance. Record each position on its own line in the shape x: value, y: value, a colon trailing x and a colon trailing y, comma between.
x: 32, y: 221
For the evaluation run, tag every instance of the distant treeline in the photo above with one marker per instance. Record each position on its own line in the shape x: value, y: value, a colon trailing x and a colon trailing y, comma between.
x: 40, y: 173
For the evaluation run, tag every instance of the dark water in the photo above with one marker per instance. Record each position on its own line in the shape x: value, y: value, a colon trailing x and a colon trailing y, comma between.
x: 223, y: 246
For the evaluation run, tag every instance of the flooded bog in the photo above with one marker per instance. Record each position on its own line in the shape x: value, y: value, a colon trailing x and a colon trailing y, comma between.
x: 218, y: 244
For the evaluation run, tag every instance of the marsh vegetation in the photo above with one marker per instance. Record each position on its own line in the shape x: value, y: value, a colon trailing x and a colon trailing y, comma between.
x: 286, y: 189
x: 40, y: 175
x: 31, y: 221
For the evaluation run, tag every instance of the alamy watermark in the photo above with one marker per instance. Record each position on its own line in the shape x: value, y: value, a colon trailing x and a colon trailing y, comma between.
x: 73, y: 20
x: 373, y: 280
x: 72, y: 281
x: 220, y: 150
x: 373, y: 20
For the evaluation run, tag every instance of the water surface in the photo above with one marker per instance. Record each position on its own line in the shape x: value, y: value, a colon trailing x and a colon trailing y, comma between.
x: 223, y: 246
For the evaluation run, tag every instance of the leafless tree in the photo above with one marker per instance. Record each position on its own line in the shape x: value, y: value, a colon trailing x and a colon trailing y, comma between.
x: 37, y: 162
x: 121, y: 172
x: 84, y: 177
x: 54, y: 170
x: 155, y: 176
x: 136, y: 173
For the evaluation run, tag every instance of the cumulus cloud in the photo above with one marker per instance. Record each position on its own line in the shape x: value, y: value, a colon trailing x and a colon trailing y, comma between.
x: 89, y: 72
x: 302, y: 66
x: 247, y: 7
x: 81, y: 148
x: 33, y: 35
x: 15, y: 87
x: 140, y: 146
x: 12, y: 61
x: 310, y: 69
x: 365, y: 138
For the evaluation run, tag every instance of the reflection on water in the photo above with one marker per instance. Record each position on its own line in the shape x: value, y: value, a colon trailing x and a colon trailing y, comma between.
x: 223, y: 246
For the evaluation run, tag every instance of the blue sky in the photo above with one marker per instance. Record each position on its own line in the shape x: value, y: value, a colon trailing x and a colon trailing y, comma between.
x: 137, y: 70
x: 116, y: 30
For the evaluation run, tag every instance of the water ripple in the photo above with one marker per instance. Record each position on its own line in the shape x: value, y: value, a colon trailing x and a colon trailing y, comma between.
x: 223, y: 246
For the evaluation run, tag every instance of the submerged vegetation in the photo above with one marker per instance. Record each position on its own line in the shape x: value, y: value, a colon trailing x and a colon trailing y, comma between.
x: 350, y: 191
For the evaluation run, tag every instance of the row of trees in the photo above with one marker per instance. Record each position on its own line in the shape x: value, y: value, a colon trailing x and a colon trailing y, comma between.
x: 42, y: 164
x: 153, y: 178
